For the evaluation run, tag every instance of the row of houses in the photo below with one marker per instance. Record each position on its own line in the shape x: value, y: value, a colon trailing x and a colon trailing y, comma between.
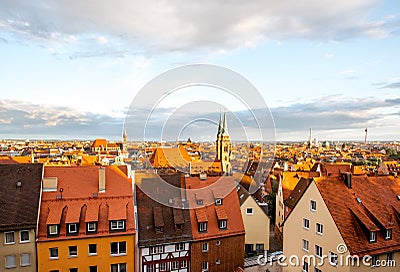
x: 100, y: 218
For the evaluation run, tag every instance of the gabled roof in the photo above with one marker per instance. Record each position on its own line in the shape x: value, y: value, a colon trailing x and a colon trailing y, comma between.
x: 331, y: 169
x: 78, y: 200
x: 297, y: 192
x: 152, y: 213
x: 370, y: 205
x: 19, y: 204
x: 170, y: 158
x: 225, y: 188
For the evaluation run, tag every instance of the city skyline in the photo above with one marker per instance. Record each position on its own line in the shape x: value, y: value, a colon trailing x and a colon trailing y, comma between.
x: 73, y: 71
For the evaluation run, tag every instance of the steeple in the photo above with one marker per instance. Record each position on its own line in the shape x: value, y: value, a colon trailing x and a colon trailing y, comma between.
x: 225, y: 127
x: 220, y: 124
x: 223, y: 145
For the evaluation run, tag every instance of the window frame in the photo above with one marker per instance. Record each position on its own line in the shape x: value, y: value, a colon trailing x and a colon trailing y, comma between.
x: 205, y: 247
x: 49, y: 227
x: 335, y: 256
x: 204, y: 266
x: 73, y: 232
x: 50, y: 251
x: 372, y: 236
x: 202, y: 226
x: 93, y: 266
x: 180, y: 247
x: 218, y: 201
x: 303, y: 243
x: 305, y: 220
x: 313, y: 205
x: 317, y: 230
x: 13, y: 238
x: 222, y: 224
x: 184, y: 264
x: 119, y: 266
x: 20, y: 259
x: 10, y: 266
x: 317, y: 249
x: 88, y: 229
x: 388, y: 234
x: 305, y: 266
x: 119, y: 252
x: 251, y: 212
x: 156, y: 250
x: 20, y: 236
x: 92, y: 254
x: 117, y: 227
x: 70, y: 252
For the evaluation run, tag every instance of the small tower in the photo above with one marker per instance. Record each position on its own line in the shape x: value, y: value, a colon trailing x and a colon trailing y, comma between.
x: 124, y: 142
x: 365, y: 137
x: 223, y: 145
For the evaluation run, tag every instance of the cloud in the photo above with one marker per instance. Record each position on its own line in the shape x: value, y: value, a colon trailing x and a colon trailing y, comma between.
x: 394, y: 85
x: 333, y: 115
x: 177, y: 25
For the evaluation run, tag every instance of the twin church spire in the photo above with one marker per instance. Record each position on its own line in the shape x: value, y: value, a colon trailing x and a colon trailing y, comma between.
x: 223, y: 145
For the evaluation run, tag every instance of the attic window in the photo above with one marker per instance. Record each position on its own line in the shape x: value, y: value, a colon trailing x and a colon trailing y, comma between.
x: 218, y: 202
x: 199, y: 201
x: 359, y: 200
x: 159, y: 229
x: 388, y: 235
x: 398, y: 197
x: 372, y: 236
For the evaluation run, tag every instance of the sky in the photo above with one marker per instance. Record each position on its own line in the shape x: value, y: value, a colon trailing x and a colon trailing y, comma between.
x: 70, y: 69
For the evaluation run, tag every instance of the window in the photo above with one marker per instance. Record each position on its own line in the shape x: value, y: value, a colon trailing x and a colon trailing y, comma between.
x: 204, y: 266
x: 92, y: 249
x: 151, y: 268
x: 121, y: 267
x: 11, y: 261
x: 118, y: 248
x: 320, y: 228
x: 9, y: 238
x: 91, y: 227
x: 318, y: 251
x: 218, y: 202
x: 175, y: 265
x: 202, y: 226
x: 260, y: 248
x: 372, y: 236
x: 333, y: 258
x: 72, y: 251
x: 73, y: 270
x: 53, y: 252
x: 184, y: 264
x: 156, y: 249
x: 317, y: 270
x: 305, y: 266
x: 118, y: 225
x: 179, y: 226
x: 305, y: 245
x: 313, y: 205
x: 218, y: 243
x: 24, y: 236
x: 218, y: 261
x: 72, y: 228
x: 163, y: 266
x: 25, y: 259
x: 375, y: 260
x: 390, y: 256
x: 204, y: 247
x: 249, y: 211
x: 53, y: 229
x: 306, y: 223
x: 93, y: 268
x: 180, y: 247
x: 222, y: 224
x: 199, y: 201
x: 159, y: 229
x: 388, y: 234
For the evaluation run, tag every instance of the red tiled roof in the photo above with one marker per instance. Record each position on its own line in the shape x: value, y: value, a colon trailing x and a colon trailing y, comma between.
x: 73, y: 212
x: 221, y: 214
x: 117, y: 209
x: 201, y: 215
x: 368, y: 206
x: 54, y: 216
x: 223, y: 186
x: 92, y: 212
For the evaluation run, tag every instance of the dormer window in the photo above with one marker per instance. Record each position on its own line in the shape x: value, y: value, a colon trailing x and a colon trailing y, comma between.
x: 222, y: 224
x: 159, y: 229
x: 372, y: 236
x: 202, y: 226
x: 199, y: 201
x: 388, y: 235
x: 218, y: 201
x: 117, y: 225
x: 179, y: 226
x: 72, y: 229
x: 53, y: 230
x: 91, y: 227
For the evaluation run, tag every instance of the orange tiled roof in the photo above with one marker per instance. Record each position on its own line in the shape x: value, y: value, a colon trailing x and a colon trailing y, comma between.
x: 80, y: 200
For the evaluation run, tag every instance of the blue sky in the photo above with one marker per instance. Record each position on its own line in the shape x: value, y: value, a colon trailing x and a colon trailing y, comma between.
x: 70, y: 69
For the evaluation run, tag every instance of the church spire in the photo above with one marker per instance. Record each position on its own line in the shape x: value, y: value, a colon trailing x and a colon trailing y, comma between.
x: 225, y: 127
x: 220, y: 124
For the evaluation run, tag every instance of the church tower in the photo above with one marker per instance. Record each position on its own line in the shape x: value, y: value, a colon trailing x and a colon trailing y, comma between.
x: 223, y: 145
x: 124, y: 142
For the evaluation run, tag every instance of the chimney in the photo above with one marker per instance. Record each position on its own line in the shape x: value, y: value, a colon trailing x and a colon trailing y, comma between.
x: 347, y: 178
x: 102, y: 179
